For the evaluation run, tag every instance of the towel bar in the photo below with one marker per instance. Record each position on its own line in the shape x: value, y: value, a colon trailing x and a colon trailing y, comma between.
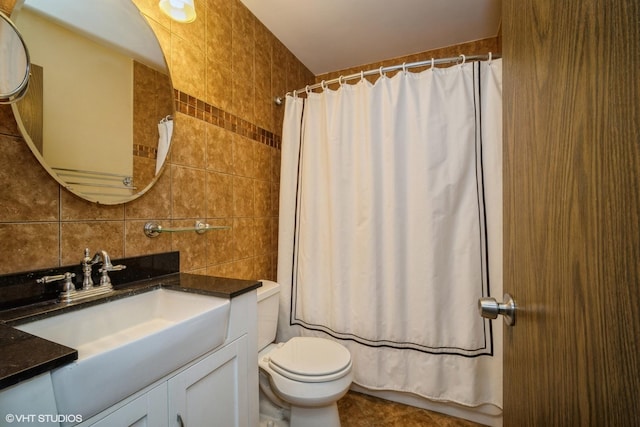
x: 153, y: 229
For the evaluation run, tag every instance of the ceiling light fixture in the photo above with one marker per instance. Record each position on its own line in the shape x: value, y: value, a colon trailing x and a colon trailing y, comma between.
x: 179, y: 10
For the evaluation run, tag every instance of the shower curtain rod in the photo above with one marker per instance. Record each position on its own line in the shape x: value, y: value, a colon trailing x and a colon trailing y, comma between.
x: 404, y: 66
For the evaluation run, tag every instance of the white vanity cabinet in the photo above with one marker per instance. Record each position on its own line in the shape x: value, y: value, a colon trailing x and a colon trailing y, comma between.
x: 29, y: 402
x: 220, y: 388
x: 150, y: 409
x: 213, y: 391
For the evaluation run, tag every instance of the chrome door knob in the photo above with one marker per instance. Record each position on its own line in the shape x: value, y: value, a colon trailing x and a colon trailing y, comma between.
x: 489, y: 308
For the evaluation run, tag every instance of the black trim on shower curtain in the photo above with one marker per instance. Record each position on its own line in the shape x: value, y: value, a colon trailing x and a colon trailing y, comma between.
x: 480, y: 188
x: 294, y: 261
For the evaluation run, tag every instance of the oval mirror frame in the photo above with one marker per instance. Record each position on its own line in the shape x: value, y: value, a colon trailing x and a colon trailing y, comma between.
x: 14, y: 62
x: 110, y: 172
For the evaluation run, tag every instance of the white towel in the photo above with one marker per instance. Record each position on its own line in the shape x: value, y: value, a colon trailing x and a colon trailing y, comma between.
x: 165, y: 130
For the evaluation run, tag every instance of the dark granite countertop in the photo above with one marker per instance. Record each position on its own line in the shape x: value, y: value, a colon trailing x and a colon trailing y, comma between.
x: 24, y: 356
x: 217, y: 286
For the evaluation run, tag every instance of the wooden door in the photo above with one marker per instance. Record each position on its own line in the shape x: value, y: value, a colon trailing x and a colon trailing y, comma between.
x: 571, y: 87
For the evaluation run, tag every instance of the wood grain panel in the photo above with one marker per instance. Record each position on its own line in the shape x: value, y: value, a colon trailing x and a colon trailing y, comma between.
x: 572, y: 211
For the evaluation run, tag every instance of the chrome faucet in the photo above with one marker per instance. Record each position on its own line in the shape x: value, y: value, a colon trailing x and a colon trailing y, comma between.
x: 106, y: 268
x: 69, y: 292
x: 87, y: 267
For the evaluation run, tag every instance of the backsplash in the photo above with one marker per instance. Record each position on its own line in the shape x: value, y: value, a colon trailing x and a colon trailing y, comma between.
x: 22, y: 289
x: 223, y: 169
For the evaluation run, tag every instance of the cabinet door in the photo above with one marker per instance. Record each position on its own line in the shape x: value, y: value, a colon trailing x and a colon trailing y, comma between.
x: 150, y: 410
x: 213, y: 392
x: 20, y: 403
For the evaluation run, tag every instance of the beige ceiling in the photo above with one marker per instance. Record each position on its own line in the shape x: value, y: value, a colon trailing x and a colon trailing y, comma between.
x: 331, y: 35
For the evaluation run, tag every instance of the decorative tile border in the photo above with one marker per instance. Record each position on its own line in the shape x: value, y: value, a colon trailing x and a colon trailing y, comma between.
x: 194, y: 107
x: 140, y: 150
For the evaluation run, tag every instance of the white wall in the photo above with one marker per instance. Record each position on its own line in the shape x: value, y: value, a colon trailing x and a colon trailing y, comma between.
x: 71, y: 71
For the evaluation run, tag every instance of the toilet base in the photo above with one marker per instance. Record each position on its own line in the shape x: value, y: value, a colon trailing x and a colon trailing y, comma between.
x: 322, y: 416
x: 266, y: 421
x: 272, y: 414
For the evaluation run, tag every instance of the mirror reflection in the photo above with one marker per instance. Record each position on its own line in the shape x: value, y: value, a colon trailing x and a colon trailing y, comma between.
x: 14, y: 63
x: 99, y: 111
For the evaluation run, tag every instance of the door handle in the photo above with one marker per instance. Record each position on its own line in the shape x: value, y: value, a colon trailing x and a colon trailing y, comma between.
x: 489, y: 308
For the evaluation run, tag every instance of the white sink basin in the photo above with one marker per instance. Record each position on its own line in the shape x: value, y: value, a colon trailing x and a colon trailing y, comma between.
x: 127, y: 344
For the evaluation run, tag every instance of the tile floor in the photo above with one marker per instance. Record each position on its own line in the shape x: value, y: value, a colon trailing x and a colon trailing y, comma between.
x: 361, y: 410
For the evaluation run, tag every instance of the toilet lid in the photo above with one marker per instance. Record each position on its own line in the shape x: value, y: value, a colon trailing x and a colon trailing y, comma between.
x: 311, y: 359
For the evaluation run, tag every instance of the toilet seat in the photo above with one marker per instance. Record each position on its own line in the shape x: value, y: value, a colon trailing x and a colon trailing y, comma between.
x: 311, y: 359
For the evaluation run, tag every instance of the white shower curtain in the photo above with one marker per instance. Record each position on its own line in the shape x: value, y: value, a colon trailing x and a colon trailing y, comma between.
x: 390, y: 228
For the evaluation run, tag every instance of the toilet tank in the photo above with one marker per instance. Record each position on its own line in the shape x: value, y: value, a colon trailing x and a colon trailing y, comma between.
x: 268, y: 304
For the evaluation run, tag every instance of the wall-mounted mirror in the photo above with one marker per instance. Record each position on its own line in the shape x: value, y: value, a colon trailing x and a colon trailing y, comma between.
x: 14, y: 62
x: 98, y: 114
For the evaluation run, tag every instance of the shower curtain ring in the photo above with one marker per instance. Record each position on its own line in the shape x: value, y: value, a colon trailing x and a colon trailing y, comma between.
x: 341, y: 80
x: 323, y: 85
x: 404, y: 67
x: 361, y: 75
x: 489, y: 60
x: 464, y: 58
x: 381, y: 73
x: 307, y: 89
x: 433, y: 63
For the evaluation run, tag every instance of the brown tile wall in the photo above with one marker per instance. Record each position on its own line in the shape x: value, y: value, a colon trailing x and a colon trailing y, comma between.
x: 224, y: 165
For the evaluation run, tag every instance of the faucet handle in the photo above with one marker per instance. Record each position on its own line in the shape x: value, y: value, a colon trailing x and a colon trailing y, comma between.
x: 68, y: 288
x: 66, y: 277
x: 106, y: 263
x: 111, y: 267
x: 106, y: 268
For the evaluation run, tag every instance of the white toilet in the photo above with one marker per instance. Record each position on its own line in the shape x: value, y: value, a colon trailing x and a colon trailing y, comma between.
x: 301, y: 379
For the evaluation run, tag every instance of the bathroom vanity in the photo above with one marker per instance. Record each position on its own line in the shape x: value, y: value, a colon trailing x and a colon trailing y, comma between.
x: 214, y: 388
x: 174, y: 350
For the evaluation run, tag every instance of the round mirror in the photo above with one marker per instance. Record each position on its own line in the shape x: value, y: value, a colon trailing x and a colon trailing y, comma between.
x: 98, y: 114
x: 14, y: 62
